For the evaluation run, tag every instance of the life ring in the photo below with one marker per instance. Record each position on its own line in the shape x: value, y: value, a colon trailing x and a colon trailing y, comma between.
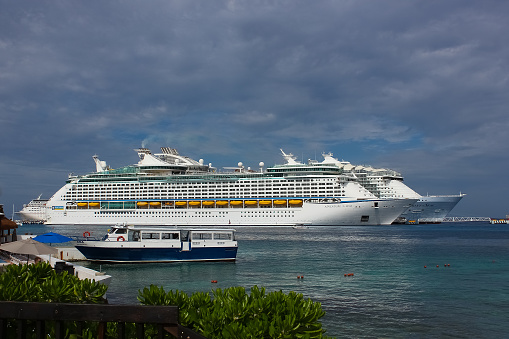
x: 121, y: 238
x: 86, y: 234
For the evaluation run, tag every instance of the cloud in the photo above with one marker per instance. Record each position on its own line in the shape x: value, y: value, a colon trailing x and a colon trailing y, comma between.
x: 421, y: 86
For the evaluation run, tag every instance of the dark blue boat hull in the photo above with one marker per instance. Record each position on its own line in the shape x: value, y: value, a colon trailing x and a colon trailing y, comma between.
x: 124, y: 254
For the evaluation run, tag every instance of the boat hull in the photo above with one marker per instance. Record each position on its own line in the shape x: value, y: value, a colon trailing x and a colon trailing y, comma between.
x: 357, y: 212
x: 130, y: 254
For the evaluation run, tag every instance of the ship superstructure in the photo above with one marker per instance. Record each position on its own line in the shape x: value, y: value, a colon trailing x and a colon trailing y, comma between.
x: 388, y: 184
x: 34, y: 211
x: 171, y: 189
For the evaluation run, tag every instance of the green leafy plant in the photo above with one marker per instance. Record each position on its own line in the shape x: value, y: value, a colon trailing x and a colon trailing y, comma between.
x: 39, y: 282
x: 233, y: 313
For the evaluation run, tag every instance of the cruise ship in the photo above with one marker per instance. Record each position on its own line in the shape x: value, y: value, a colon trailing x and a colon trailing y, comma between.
x: 34, y: 211
x: 388, y: 184
x: 171, y: 189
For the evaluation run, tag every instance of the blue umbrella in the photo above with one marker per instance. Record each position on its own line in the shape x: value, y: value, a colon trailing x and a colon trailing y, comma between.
x: 52, y: 238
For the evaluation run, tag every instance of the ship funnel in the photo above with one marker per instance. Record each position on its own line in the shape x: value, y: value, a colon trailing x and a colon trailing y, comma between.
x: 100, y: 166
x: 290, y: 158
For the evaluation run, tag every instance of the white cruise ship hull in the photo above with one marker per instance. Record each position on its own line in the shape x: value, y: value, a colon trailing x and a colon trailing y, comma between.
x: 358, y: 212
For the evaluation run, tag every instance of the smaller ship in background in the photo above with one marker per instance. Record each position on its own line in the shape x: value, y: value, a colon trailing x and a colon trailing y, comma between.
x: 388, y: 184
x: 34, y: 212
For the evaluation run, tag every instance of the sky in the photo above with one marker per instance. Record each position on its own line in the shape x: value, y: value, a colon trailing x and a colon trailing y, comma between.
x: 420, y: 87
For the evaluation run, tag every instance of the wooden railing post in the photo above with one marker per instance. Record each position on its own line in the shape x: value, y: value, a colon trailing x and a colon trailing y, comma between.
x: 40, y: 329
x: 140, y: 330
x: 59, y: 329
x: 121, y: 330
x: 22, y: 329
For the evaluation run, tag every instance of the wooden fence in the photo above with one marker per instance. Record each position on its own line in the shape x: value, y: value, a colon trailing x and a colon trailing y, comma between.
x: 165, y: 319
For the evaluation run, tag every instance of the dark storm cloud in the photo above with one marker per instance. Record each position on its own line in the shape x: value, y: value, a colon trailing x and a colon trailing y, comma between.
x: 419, y: 86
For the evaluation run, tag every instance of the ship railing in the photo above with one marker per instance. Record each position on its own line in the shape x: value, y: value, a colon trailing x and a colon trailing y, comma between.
x: 33, y: 318
x: 81, y: 239
x: 464, y: 219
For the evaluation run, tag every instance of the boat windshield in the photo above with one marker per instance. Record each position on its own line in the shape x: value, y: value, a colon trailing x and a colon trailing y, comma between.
x: 116, y: 230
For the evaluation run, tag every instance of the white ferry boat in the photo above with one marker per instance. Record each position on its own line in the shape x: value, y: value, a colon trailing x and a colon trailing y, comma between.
x: 170, y: 189
x: 34, y: 211
x: 147, y: 244
x: 388, y: 184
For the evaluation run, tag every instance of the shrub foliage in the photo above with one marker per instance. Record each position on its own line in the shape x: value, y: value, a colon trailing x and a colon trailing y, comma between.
x: 228, y: 313
x: 40, y: 283
x: 233, y: 313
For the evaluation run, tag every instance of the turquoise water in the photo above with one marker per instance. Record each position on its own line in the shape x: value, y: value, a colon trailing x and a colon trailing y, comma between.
x: 390, y: 295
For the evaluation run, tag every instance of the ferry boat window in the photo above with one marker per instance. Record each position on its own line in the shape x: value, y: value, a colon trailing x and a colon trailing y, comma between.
x: 169, y: 235
x: 202, y: 236
x: 147, y: 235
x: 223, y: 236
x: 136, y: 236
x: 184, y: 235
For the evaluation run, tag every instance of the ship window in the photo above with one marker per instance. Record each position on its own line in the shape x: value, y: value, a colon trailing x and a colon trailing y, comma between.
x: 169, y: 235
x: 136, y: 235
x: 202, y: 236
x: 365, y: 218
x: 150, y: 235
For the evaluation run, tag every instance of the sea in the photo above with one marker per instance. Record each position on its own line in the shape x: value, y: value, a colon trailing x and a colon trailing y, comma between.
x: 448, y: 280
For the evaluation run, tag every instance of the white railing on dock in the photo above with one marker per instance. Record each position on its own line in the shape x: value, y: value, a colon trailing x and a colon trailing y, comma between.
x: 465, y: 219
